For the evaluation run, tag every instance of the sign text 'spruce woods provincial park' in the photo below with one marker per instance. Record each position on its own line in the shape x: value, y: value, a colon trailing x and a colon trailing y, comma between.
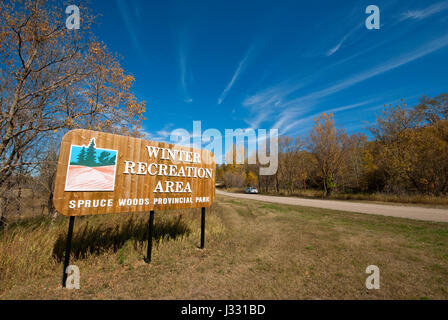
x: 101, y: 173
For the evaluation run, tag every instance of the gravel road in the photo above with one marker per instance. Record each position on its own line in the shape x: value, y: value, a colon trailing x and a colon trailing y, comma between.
x: 417, y: 213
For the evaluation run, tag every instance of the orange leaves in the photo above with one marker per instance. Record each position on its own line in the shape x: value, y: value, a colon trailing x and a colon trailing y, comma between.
x: 413, y: 154
x: 52, y: 80
x: 96, y: 49
x: 251, y: 179
x: 128, y: 79
x: 331, y: 148
x: 69, y: 122
x: 368, y: 161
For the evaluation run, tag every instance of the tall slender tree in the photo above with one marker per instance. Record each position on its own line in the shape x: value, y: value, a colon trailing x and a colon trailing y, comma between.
x: 91, y: 154
x: 81, y: 159
x: 328, y: 145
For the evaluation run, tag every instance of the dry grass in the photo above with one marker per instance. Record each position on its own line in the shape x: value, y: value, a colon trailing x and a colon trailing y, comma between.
x: 27, y: 206
x: 254, y: 250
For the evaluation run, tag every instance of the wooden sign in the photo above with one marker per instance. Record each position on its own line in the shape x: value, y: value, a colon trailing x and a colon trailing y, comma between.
x: 101, y: 173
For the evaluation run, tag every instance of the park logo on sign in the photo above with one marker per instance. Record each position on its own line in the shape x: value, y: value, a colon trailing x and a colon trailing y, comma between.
x: 91, y: 168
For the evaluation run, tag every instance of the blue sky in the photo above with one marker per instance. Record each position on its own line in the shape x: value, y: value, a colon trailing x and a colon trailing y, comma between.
x: 275, y: 64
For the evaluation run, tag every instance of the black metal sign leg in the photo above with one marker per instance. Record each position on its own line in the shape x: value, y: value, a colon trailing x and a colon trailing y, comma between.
x: 150, y: 232
x: 202, y: 227
x: 68, y: 248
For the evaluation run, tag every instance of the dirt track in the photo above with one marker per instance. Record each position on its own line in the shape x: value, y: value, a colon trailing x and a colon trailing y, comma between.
x: 417, y: 213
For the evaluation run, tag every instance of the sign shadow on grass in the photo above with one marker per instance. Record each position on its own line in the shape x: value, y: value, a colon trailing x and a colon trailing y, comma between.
x: 98, y: 239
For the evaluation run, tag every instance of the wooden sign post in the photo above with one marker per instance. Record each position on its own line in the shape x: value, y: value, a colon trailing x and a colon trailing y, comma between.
x: 103, y: 173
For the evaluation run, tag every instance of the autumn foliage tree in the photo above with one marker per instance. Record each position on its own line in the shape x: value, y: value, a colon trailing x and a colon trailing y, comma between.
x: 412, y: 149
x: 53, y: 79
x: 328, y: 146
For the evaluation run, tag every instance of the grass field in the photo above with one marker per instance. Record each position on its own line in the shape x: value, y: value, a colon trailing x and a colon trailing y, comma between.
x: 254, y: 250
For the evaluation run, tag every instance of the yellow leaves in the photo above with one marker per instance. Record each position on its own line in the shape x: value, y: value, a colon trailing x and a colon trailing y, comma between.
x: 68, y: 121
x: 128, y: 79
x: 96, y: 49
x: 251, y: 179
x: 368, y: 162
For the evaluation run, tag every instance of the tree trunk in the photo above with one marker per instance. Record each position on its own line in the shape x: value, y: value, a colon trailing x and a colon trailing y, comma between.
x: 51, y: 209
x: 325, y: 187
x: 2, y: 213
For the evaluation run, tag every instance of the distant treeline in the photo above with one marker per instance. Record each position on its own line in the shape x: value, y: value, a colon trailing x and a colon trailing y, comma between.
x: 407, y: 155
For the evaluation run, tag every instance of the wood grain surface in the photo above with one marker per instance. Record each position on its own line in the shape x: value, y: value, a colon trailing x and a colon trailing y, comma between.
x: 131, y: 192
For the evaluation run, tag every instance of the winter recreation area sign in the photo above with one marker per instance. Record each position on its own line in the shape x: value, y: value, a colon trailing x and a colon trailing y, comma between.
x: 100, y: 173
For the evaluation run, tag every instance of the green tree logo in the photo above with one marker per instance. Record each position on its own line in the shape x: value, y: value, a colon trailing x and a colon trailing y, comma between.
x: 90, y: 156
x: 81, y: 160
x: 90, y: 159
x: 104, y: 159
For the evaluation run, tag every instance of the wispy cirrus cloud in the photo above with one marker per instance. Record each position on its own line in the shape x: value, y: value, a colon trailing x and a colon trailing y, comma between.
x: 185, y: 74
x: 268, y: 101
x: 336, y: 48
x: 426, y: 12
x: 306, y: 122
x: 273, y: 100
x: 162, y: 135
x: 287, y: 119
x: 242, y: 64
x: 350, y: 106
x: 129, y: 21
x: 341, y: 42
x: 394, y: 63
x: 274, y: 104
